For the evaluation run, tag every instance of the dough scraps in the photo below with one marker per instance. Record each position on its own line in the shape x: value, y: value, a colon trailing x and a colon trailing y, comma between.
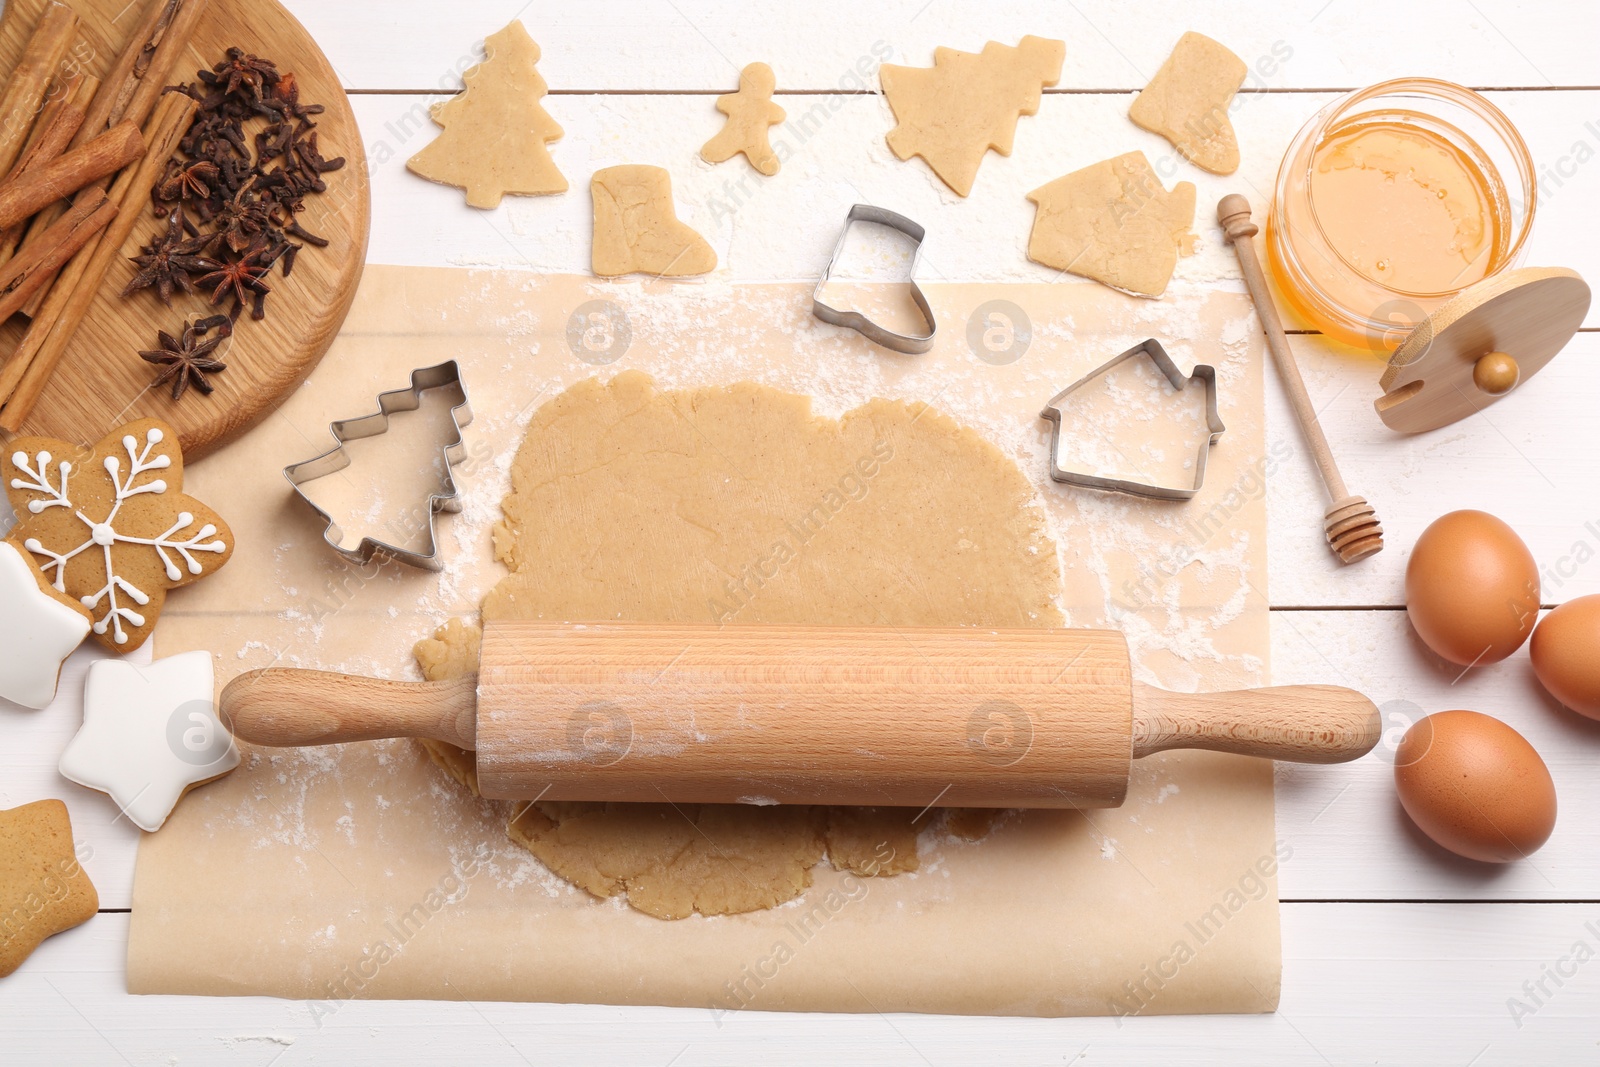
x: 1114, y: 222
x: 737, y: 504
x: 495, y: 130
x: 636, y: 229
x: 952, y: 113
x: 1187, y: 102
x: 750, y: 111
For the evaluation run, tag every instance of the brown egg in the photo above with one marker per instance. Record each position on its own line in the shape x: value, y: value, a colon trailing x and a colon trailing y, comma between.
x: 1472, y: 588
x: 1566, y: 654
x: 1475, y: 786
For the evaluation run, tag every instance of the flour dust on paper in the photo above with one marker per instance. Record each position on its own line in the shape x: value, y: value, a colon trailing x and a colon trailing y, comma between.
x: 738, y: 505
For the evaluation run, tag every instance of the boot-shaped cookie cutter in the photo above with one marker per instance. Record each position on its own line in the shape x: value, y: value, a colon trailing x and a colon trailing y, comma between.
x: 442, y: 376
x: 911, y: 344
x: 1163, y: 362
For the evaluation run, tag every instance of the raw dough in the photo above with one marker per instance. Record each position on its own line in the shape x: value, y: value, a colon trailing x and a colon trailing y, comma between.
x: 1187, y: 102
x: 1114, y: 222
x: 495, y: 130
x: 952, y: 113
x: 738, y: 504
x: 750, y: 111
x: 636, y: 229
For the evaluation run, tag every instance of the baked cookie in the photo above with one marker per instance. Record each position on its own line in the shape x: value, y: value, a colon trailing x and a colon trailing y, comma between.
x: 110, y: 525
x: 39, y: 628
x: 43, y: 889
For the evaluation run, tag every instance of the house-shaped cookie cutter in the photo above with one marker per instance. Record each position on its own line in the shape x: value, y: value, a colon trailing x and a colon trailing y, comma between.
x: 1163, y: 362
x: 426, y: 379
x: 910, y: 344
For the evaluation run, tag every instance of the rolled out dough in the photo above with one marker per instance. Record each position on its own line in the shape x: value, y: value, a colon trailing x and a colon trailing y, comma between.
x: 738, y: 504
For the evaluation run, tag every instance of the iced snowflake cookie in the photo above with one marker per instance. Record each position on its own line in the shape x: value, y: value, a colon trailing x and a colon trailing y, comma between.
x: 110, y: 526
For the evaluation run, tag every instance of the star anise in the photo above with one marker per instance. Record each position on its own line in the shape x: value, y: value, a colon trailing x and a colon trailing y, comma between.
x: 191, y: 180
x: 187, y: 360
x: 241, y: 71
x: 243, y: 218
x: 242, y: 276
x: 167, y: 262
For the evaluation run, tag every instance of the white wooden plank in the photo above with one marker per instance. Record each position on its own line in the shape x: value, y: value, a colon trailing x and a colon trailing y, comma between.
x: 104, y: 838
x: 1351, y: 839
x: 700, y: 44
x: 1529, y: 459
x: 784, y: 227
x: 1396, y: 984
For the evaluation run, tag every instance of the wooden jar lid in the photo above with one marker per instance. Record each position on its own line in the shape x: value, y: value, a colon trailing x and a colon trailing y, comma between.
x: 1435, y: 376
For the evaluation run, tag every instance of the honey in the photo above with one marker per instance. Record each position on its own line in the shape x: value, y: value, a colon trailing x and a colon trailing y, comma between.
x: 1392, y: 200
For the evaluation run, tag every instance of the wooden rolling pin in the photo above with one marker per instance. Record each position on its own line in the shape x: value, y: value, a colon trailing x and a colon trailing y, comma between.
x: 802, y: 715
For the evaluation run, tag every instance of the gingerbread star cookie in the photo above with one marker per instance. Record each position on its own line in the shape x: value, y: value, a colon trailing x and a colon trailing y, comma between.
x: 1187, y: 102
x: 39, y: 628
x: 953, y: 113
x: 150, y: 734
x: 750, y: 111
x: 43, y: 889
x: 110, y: 526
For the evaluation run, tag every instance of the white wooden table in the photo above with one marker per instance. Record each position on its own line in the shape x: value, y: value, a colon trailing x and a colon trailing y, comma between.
x: 1393, y: 951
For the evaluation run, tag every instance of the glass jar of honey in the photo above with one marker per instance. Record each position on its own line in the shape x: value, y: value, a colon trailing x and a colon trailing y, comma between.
x: 1393, y: 199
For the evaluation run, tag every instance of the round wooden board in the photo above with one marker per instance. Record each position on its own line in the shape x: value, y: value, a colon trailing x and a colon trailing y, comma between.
x: 1530, y: 313
x: 101, y: 382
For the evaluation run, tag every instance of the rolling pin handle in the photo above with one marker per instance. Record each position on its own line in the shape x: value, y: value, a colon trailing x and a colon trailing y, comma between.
x: 1298, y: 723
x: 283, y: 707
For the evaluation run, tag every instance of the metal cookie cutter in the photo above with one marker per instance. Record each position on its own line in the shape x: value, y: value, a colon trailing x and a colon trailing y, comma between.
x: 442, y: 376
x: 1163, y: 362
x: 910, y: 344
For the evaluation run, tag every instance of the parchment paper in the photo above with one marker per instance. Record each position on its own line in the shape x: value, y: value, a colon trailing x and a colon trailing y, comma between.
x: 333, y: 873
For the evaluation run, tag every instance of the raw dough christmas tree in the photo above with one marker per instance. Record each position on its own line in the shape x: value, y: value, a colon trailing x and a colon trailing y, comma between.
x: 750, y: 111
x: 495, y: 131
x: 952, y: 113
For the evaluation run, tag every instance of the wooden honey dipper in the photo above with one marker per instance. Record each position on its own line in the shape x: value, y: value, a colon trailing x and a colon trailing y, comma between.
x: 1351, y: 525
x: 802, y: 715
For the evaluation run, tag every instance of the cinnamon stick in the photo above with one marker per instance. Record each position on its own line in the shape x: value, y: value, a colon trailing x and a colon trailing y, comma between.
x: 174, y: 39
x: 105, y: 155
x: 21, y: 277
x: 59, y: 124
x: 24, y: 92
x: 135, y: 64
x: 42, y: 347
x: 63, y: 92
x: 110, y: 104
x: 136, y: 81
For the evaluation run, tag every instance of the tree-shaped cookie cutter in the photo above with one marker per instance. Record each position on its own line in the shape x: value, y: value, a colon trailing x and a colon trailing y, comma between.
x: 1163, y: 362
x: 426, y: 379
x: 910, y: 344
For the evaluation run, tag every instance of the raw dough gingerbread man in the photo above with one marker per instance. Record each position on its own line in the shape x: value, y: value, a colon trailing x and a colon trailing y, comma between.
x: 750, y: 111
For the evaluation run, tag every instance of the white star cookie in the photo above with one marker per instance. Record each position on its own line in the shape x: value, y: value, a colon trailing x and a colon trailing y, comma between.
x: 37, y: 632
x: 149, y: 735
